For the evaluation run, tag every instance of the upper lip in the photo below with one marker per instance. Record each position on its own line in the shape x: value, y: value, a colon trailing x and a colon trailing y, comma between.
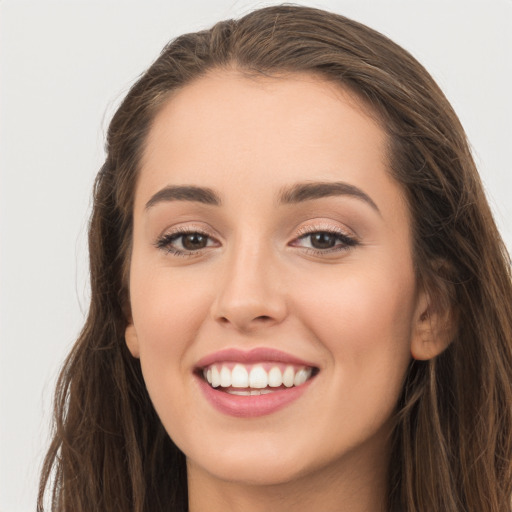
x: 255, y: 355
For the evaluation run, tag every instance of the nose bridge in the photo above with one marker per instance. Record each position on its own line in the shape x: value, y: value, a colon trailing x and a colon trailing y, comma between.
x: 249, y: 294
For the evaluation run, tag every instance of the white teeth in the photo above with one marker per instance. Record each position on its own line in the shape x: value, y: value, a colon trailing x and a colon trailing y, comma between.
x: 258, y: 378
x: 288, y: 376
x: 239, y: 377
x: 249, y: 392
x: 225, y: 377
x: 238, y: 392
x: 301, y: 376
x: 215, y: 377
x: 275, y: 378
x: 260, y: 391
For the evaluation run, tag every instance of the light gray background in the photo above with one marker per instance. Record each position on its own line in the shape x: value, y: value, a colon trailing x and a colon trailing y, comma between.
x: 64, y: 66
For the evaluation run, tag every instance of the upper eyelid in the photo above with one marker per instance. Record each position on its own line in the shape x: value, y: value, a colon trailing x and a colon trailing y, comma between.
x: 316, y: 229
x: 302, y: 230
x: 324, y: 228
x: 180, y: 229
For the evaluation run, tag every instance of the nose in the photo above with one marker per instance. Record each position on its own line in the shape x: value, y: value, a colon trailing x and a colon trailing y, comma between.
x: 250, y: 296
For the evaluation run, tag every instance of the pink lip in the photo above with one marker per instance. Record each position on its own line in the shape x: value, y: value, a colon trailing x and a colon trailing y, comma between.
x: 255, y: 405
x: 256, y: 355
x: 251, y: 406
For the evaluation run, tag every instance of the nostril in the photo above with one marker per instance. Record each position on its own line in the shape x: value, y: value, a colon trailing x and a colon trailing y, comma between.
x: 245, y: 320
x: 263, y: 318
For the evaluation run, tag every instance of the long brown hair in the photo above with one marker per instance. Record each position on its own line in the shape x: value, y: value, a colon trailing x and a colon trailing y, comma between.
x: 452, y: 445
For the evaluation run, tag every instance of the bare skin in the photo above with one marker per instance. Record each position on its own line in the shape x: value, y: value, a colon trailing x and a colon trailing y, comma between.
x: 254, y: 254
x: 361, y: 487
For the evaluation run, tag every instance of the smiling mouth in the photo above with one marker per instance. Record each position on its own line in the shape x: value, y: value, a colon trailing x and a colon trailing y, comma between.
x: 255, y: 379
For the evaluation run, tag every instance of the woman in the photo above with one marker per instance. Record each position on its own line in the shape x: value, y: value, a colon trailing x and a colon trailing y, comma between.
x: 299, y: 296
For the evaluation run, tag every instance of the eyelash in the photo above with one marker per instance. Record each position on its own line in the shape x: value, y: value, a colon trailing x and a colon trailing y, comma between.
x: 165, y: 241
x: 344, y: 241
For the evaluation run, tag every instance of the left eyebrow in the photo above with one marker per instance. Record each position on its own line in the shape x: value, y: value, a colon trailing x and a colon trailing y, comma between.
x: 317, y: 190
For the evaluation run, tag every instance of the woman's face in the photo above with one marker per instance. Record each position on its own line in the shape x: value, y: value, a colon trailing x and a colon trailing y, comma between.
x: 272, y: 254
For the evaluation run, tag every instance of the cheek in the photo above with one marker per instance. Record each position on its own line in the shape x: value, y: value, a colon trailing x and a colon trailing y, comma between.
x: 365, y: 320
x: 359, y: 300
x: 168, y: 308
x: 365, y: 325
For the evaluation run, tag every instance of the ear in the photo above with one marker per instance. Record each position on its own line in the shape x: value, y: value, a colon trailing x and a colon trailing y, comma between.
x: 132, y: 340
x: 434, y: 327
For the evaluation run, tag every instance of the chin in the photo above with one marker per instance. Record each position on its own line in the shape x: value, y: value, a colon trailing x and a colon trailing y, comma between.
x: 254, y: 472
x: 260, y: 460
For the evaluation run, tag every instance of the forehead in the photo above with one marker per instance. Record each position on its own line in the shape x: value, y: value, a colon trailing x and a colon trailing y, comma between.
x: 229, y: 130
x: 309, y: 106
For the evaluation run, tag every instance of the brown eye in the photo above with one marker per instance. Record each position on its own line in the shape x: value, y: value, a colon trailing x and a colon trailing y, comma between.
x: 323, y: 240
x: 194, y: 241
x: 186, y: 243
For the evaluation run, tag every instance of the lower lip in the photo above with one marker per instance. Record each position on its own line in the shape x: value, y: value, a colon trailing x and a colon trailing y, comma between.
x: 254, y: 405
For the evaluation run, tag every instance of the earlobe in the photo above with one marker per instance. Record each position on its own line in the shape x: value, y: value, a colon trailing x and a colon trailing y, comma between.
x: 433, y: 331
x: 132, y: 340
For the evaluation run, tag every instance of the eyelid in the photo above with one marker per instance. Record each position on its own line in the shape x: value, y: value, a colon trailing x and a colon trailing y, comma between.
x: 186, y: 228
x: 325, y: 227
x: 346, y: 239
x: 164, y: 240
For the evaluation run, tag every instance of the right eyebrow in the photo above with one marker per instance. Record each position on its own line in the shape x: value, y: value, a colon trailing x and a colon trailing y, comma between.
x: 184, y: 193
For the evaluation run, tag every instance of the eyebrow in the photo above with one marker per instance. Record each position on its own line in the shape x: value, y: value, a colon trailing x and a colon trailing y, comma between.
x: 291, y: 195
x: 308, y: 191
x: 185, y: 193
